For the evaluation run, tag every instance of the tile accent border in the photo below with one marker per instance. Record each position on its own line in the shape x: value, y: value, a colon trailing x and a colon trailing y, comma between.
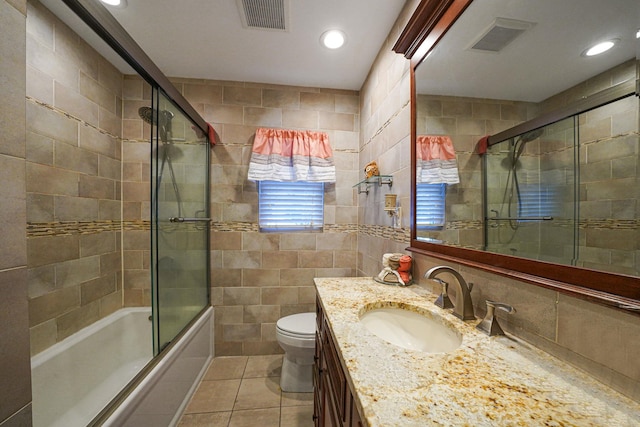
x: 402, y: 235
x: 67, y: 228
x: 70, y: 116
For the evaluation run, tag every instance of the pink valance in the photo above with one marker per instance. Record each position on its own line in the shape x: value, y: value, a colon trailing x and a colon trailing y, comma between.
x: 291, y: 155
x: 436, y: 160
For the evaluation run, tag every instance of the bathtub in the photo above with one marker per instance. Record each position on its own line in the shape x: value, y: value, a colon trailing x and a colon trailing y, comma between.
x: 74, y: 379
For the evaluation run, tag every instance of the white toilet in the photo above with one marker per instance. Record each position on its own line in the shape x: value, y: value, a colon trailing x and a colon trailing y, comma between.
x: 296, y: 336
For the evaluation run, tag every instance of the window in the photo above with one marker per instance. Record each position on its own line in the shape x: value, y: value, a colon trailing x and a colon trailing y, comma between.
x: 290, y: 206
x: 430, y: 206
x: 538, y: 201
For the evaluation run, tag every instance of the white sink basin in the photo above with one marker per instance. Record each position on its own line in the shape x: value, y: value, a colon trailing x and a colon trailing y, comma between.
x: 410, y: 330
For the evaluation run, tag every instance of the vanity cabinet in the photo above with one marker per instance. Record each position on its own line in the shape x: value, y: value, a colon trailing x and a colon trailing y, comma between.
x: 333, y: 403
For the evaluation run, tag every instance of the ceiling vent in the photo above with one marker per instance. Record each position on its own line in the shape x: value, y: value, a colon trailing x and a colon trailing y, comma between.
x: 264, y: 14
x: 502, y: 32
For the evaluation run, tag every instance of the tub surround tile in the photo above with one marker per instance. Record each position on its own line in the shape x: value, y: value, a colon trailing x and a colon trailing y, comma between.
x: 509, y: 380
x: 14, y: 352
x: 12, y: 70
x: 72, y: 321
x: 13, y: 211
x: 51, y: 249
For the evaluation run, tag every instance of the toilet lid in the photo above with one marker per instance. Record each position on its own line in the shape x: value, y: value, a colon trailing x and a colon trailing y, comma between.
x: 303, y: 323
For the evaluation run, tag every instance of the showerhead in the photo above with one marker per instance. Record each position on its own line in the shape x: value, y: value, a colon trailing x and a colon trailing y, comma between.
x: 530, y: 136
x: 146, y: 114
x: 524, y: 138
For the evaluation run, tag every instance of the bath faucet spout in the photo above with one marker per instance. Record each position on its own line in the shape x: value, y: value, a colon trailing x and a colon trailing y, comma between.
x: 463, y: 308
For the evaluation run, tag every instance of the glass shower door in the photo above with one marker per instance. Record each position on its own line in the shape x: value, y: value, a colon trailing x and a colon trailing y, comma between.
x: 180, y: 221
x: 531, y: 184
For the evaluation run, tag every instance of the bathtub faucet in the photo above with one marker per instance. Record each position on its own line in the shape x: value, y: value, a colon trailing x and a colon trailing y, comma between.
x: 463, y: 308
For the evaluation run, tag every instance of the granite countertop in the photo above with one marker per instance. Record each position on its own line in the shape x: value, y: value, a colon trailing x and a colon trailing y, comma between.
x: 487, y: 381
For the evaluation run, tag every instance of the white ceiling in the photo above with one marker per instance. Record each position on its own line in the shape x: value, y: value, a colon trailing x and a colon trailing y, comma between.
x: 206, y: 39
x: 543, y: 61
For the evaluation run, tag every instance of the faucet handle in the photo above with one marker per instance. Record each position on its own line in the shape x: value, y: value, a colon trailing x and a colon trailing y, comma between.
x: 443, y: 300
x: 500, y: 306
x: 489, y: 324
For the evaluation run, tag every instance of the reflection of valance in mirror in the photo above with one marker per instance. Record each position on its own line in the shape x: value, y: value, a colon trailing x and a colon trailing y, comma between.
x: 291, y: 155
x: 436, y: 160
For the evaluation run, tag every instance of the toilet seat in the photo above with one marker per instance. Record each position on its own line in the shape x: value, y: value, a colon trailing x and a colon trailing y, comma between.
x: 302, y: 325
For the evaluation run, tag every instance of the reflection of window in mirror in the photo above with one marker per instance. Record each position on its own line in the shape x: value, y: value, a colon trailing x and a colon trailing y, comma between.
x: 430, y: 212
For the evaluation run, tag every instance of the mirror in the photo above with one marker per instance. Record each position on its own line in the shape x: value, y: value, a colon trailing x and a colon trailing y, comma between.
x: 519, y: 72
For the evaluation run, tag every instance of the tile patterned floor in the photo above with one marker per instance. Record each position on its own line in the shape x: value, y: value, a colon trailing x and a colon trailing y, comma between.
x: 243, y: 391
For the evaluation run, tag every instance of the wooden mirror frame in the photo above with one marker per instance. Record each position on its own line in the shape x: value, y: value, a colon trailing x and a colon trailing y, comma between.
x: 426, y: 27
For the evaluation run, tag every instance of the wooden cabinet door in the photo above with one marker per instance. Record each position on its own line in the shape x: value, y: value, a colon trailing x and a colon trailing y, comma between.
x: 318, y: 389
x: 333, y: 404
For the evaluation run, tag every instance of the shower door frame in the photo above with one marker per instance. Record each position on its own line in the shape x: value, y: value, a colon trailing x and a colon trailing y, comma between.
x: 159, y: 303
x: 103, y: 23
x: 493, y: 225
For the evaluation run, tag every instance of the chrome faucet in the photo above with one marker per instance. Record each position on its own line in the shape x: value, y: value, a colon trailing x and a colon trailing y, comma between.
x: 463, y: 308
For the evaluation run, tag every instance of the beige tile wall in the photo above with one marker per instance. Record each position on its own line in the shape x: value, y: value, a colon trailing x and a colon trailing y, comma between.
x: 73, y: 168
x: 609, y: 169
x: 136, y: 193
x: 466, y: 120
x: 599, y: 340
x: 608, y: 139
x: 385, y: 138
x: 15, y: 369
x: 259, y: 277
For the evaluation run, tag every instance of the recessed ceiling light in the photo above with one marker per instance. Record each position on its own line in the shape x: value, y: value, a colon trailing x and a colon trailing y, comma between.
x: 638, y: 34
x: 115, y: 3
x: 599, y: 48
x: 332, y: 39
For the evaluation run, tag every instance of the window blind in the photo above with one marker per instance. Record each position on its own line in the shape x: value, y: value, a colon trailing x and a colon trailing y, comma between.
x: 430, y: 206
x: 290, y: 206
x: 538, y: 201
